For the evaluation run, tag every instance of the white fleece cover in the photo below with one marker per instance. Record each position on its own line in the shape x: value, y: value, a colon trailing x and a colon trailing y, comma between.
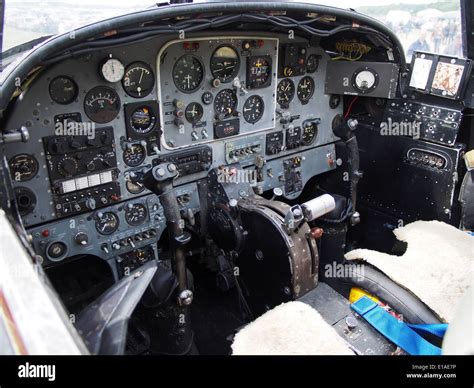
x: 292, y: 328
x: 437, y: 265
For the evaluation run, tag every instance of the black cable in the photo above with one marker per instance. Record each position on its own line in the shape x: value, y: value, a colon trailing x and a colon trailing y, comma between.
x: 243, y: 305
x: 139, y: 35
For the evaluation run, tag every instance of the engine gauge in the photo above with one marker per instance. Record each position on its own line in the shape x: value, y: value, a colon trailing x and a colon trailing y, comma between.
x: 253, y: 109
x: 106, y: 223
x: 285, y: 92
x: 312, y: 63
x: 225, y: 64
x: 112, y: 70
x: 188, y: 73
x: 23, y: 167
x: 225, y: 104
x: 102, y: 104
x: 259, y: 71
x: 142, y: 120
x: 134, y: 182
x: 365, y: 80
x: 63, y: 90
x: 193, y: 112
x: 138, y: 80
x: 310, y: 132
x: 207, y: 98
x: 305, y: 89
x: 134, y: 155
x: 135, y: 214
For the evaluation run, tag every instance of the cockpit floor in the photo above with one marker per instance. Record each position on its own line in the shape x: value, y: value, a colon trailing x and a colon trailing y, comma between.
x: 215, y: 314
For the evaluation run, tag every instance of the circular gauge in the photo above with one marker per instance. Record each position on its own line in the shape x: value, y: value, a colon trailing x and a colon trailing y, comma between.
x: 225, y: 103
x: 68, y: 166
x: 188, y: 73
x: 225, y: 64
x: 112, y: 70
x: 253, y: 109
x: 134, y: 182
x: 106, y: 223
x: 102, y: 104
x: 259, y: 72
x: 312, y: 63
x: 305, y: 89
x: 365, y: 80
x: 135, y: 214
x: 134, y: 155
x: 288, y: 71
x: 310, y: 132
x: 25, y: 200
x: 56, y: 251
x: 63, y: 90
x: 23, y: 167
x: 207, y: 98
x: 285, y: 92
x: 138, y: 80
x: 142, y: 120
x: 193, y: 112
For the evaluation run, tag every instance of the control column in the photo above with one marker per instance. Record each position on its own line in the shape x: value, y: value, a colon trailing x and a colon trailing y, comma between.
x: 159, y: 180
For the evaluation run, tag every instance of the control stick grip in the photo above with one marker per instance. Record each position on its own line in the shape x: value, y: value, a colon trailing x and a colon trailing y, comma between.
x: 159, y: 180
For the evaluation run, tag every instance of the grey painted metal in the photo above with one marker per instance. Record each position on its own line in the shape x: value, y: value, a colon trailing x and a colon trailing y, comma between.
x: 35, y: 309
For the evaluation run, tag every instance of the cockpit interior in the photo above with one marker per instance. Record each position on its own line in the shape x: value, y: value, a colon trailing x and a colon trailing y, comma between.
x: 179, y: 174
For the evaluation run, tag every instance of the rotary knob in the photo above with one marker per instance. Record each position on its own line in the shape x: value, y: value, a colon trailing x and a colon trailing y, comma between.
x: 67, y: 166
x: 81, y: 238
x: 91, y: 204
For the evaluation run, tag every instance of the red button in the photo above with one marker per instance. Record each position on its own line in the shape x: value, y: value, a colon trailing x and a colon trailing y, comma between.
x: 45, y: 233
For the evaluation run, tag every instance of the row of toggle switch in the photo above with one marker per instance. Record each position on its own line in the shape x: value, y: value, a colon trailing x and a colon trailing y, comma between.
x: 129, y: 242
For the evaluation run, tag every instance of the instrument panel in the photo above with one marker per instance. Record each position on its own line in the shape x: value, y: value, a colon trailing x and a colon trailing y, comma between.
x: 218, y: 88
x: 97, y: 123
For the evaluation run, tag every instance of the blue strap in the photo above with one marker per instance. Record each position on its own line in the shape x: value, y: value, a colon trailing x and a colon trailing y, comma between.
x: 396, y: 331
x: 437, y: 329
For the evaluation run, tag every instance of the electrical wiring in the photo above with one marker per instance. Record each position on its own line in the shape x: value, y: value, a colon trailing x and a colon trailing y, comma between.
x: 351, y: 51
x: 349, y: 108
x: 198, y: 24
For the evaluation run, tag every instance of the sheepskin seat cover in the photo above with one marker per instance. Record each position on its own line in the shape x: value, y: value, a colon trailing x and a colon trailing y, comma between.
x: 292, y: 328
x: 437, y: 265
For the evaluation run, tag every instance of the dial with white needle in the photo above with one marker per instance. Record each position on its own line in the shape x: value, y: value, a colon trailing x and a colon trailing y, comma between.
x: 193, y: 112
x: 253, y: 109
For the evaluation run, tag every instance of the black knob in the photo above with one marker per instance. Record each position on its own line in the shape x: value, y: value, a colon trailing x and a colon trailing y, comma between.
x: 68, y: 166
x: 81, y: 238
x: 56, y: 146
x: 75, y: 144
x: 90, y: 166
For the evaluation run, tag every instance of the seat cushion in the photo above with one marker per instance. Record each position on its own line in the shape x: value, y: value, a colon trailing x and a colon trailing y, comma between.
x: 437, y: 265
x: 292, y: 328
